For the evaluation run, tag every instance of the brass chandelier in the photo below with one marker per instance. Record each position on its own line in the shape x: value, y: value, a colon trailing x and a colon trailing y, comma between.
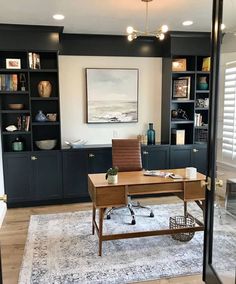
x: 159, y: 33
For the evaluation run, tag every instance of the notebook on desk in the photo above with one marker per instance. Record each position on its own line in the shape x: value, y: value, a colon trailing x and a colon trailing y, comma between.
x: 156, y: 173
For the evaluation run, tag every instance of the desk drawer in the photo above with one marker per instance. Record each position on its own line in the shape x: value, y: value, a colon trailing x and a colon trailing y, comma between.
x: 193, y: 191
x: 110, y: 196
x: 155, y: 188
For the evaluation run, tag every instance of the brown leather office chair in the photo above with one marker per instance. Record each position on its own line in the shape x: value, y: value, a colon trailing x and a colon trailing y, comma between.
x: 126, y: 155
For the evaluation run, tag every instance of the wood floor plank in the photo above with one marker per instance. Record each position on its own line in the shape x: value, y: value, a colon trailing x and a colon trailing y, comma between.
x: 14, y: 234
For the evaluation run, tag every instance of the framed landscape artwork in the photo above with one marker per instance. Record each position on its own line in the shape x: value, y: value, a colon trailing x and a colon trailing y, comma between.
x: 112, y: 95
x: 181, y: 88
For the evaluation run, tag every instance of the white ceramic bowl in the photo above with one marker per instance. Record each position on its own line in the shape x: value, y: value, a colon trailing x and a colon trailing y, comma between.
x: 46, y: 144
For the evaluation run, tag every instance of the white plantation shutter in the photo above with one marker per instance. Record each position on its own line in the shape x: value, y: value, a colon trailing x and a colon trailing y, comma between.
x: 229, y: 120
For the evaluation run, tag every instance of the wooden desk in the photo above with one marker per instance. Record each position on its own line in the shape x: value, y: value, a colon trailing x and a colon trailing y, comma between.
x: 106, y: 195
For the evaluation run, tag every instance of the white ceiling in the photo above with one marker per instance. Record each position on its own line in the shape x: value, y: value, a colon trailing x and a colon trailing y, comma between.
x: 113, y: 16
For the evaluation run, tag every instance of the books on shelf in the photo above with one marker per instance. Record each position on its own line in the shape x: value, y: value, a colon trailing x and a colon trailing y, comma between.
x: 34, y: 60
x: 23, y: 122
x: 8, y: 82
x: 178, y: 136
x: 206, y: 64
x: 197, y: 119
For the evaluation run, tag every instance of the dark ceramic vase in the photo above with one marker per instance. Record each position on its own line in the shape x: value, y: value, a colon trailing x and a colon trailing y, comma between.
x: 202, y: 83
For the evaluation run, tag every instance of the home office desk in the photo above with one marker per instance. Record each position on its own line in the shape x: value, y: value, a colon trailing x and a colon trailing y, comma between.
x: 104, y: 195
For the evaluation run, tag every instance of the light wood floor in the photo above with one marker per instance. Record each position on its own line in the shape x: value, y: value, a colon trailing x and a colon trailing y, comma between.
x: 14, y: 232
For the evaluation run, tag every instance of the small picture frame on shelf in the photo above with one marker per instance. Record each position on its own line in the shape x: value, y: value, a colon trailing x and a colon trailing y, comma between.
x: 181, y: 88
x: 179, y: 64
x: 13, y: 63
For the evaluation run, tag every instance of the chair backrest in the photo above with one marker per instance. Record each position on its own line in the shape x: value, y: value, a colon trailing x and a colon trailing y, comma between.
x: 126, y: 154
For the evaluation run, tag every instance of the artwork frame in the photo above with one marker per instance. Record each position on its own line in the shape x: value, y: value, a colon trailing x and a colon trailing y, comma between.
x: 13, y: 63
x: 112, y: 95
x: 181, y: 88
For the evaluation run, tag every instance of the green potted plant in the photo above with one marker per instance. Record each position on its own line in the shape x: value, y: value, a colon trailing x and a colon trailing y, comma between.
x: 111, y: 175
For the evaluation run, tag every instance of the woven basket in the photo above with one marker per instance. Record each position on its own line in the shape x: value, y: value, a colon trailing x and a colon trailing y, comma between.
x: 182, y: 222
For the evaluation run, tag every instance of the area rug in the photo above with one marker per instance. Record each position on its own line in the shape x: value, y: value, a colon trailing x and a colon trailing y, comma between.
x: 60, y: 249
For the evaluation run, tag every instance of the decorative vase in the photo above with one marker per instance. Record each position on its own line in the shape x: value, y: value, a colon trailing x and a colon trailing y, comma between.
x: 40, y: 117
x: 112, y: 179
x: 44, y: 89
x: 151, y: 135
x: 202, y: 83
x: 17, y: 145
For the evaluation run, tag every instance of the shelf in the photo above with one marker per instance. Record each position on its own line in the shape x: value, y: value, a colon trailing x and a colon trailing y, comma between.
x: 14, y: 92
x: 43, y: 70
x: 201, y: 127
x: 203, y: 72
x: 184, y: 121
x: 13, y: 70
x: 183, y: 101
x: 46, y: 123
x: 44, y: 99
x: 183, y: 72
x: 202, y: 91
x: 201, y: 108
x: 15, y: 111
x: 16, y: 132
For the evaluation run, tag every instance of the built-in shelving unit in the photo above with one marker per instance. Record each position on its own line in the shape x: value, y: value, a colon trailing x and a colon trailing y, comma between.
x: 190, y: 112
x: 25, y: 92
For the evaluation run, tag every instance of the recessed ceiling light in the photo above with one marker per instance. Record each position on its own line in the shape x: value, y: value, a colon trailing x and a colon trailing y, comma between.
x: 187, y: 23
x: 58, y: 17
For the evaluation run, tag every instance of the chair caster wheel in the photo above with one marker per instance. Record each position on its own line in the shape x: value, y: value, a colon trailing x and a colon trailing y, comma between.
x: 108, y: 217
x: 133, y: 222
x: 151, y: 214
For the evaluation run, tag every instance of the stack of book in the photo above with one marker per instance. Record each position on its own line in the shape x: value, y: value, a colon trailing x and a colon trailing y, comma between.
x: 23, y: 122
x: 8, y: 82
x: 198, y: 119
x: 34, y: 60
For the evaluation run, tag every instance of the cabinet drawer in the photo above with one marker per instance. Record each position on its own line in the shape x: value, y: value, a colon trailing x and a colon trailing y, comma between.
x: 106, y: 196
x: 194, y: 191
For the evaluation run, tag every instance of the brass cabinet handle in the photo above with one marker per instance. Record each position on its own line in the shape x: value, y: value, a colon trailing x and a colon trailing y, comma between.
x: 33, y: 158
x: 195, y: 150
x: 3, y: 198
x: 218, y: 182
x: 91, y: 155
x: 145, y: 153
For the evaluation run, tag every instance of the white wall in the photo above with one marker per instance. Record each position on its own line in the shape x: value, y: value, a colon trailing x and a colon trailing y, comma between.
x: 73, y: 98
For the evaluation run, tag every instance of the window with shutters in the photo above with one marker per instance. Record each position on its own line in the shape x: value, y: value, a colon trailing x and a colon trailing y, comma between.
x: 229, y: 118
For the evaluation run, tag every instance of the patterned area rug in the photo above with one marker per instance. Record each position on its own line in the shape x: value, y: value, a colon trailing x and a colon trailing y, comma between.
x: 61, y: 250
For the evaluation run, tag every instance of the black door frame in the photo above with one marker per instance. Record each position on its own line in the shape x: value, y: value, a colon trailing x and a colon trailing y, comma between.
x: 209, y: 274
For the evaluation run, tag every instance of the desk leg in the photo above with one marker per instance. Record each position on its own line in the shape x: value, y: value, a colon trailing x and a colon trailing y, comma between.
x: 101, y: 216
x: 185, y: 208
x: 93, y: 219
x: 204, y: 210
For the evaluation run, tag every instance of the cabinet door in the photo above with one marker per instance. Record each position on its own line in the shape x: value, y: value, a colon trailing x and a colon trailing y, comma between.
x: 17, y: 177
x: 155, y: 157
x: 199, y: 158
x: 180, y: 156
x: 75, y: 174
x: 99, y: 160
x: 47, y: 174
